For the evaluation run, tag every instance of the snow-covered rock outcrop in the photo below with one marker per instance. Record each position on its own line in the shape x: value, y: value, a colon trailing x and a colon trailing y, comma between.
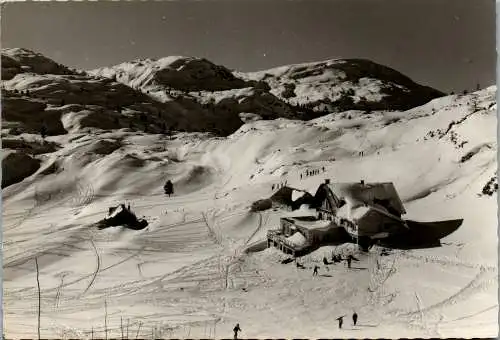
x: 344, y: 84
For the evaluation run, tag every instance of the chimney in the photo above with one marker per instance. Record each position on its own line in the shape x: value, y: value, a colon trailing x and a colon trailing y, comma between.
x: 327, y: 181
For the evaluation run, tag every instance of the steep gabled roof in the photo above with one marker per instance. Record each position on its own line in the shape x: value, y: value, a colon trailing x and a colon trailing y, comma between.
x: 368, y: 193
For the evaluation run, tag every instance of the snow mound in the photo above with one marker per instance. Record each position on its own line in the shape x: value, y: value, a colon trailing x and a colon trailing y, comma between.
x: 297, y: 239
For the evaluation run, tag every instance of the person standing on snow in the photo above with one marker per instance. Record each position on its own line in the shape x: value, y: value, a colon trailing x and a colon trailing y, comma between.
x: 354, y: 318
x: 341, y: 321
x: 236, y: 329
x: 315, y: 272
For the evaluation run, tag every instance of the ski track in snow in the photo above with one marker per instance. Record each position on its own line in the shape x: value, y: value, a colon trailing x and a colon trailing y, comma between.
x: 484, y: 279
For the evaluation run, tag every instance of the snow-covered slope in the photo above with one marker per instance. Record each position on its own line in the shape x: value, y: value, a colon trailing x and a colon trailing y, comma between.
x: 20, y: 60
x: 344, y: 84
x: 176, y: 72
x: 39, y: 93
x: 302, y: 91
x: 188, y: 275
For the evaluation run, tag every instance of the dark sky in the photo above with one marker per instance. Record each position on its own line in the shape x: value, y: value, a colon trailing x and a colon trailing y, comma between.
x: 447, y: 44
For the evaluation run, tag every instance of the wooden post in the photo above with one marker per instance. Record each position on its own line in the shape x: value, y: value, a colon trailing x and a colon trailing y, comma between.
x: 106, y: 318
x: 39, y: 295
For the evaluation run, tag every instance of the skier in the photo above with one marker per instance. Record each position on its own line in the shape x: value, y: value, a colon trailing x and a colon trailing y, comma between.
x: 236, y: 329
x: 341, y: 321
x: 168, y: 188
x: 300, y: 176
x: 323, y: 169
x: 315, y: 272
x: 354, y: 318
x: 272, y: 187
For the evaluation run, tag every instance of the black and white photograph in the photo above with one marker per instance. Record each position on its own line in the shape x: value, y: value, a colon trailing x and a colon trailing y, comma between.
x: 219, y: 169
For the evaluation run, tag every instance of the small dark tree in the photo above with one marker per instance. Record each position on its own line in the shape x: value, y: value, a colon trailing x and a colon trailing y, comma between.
x: 43, y: 130
x: 465, y: 92
x: 169, y: 188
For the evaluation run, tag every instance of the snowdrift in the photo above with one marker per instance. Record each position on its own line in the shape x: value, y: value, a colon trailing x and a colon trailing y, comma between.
x: 286, y: 195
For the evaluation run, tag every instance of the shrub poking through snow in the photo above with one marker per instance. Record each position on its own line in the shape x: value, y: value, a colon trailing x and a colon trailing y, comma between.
x: 491, y: 186
x: 261, y: 205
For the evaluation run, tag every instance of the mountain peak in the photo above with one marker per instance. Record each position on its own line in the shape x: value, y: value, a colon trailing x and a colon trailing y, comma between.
x: 22, y: 60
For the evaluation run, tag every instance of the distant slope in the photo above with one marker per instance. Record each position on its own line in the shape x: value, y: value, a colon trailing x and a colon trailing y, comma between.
x: 38, y: 91
x: 20, y: 60
x: 302, y: 91
x: 344, y: 84
x: 176, y: 72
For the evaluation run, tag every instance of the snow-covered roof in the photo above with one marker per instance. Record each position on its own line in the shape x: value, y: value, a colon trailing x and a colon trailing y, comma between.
x: 296, y: 194
x: 351, y: 213
x: 115, y: 211
x: 308, y: 222
x: 297, y: 239
x: 367, y: 193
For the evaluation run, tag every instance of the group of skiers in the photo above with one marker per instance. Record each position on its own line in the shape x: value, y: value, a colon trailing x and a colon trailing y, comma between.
x: 307, y: 173
x: 279, y: 186
x: 312, y: 172
x: 354, y: 319
x: 335, y: 259
x: 340, y: 319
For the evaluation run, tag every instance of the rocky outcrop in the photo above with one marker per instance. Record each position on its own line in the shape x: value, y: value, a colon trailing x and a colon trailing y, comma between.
x: 16, y: 166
